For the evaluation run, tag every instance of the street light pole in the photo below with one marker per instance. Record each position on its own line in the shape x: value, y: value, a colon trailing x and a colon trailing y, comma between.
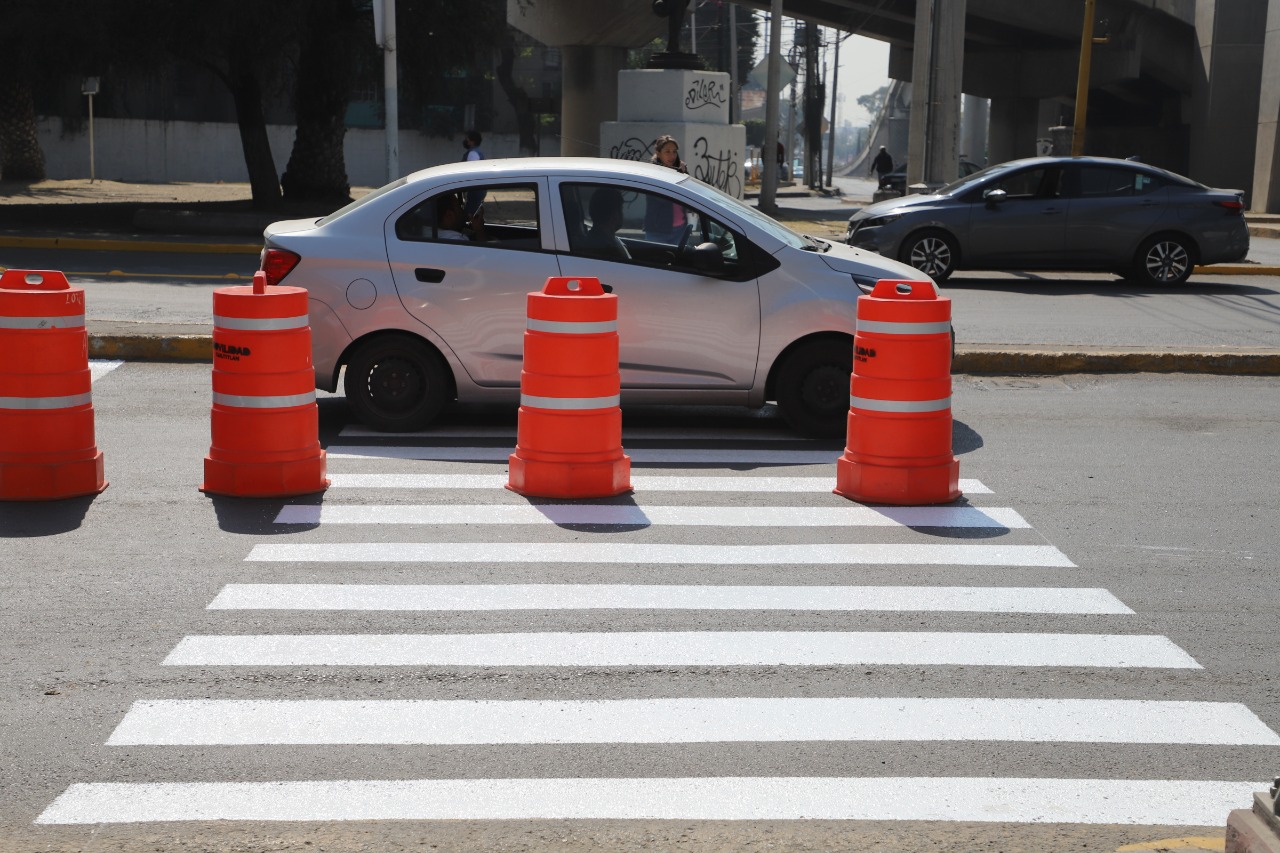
x: 90, y: 88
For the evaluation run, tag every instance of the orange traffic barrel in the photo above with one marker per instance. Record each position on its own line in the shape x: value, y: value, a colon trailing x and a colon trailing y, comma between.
x: 47, y: 447
x: 265, y: 424
x: 569, y: 428
x: 898, y: 449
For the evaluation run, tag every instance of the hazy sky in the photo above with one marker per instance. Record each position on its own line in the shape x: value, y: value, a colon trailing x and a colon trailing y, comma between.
x: 864, y: 67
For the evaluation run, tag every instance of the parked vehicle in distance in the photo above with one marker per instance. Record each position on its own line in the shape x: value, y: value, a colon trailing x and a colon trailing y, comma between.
x: 896, y: 181
x: 1061, y: 213
x: 717, y: 303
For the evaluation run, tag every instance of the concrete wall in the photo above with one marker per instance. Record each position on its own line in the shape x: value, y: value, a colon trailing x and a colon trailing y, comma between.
x: 1266, y: 166
x: 133, y: 151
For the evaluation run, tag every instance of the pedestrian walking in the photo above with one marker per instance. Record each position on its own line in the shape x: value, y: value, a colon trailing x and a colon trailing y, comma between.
x: 882, y: 165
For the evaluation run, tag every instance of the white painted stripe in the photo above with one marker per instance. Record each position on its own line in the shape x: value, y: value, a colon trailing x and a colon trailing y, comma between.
x: 570, y: 403
x: 641, y: 484
x: 509, y: 432
x: 680, y: 455
x: 853, y: 515
x: 909, y: 406
x: 980, y: 799
x: 735, y: 720
x: 281, y: 401
x: 47, y: 403
x: 61, y: 321
x: 259, y: 324
x: 466, y: 597
x: 99, y: 368
x: 946, y: 554
x: 684, y: 648
x: 893, y: 327
x: 571, y: 327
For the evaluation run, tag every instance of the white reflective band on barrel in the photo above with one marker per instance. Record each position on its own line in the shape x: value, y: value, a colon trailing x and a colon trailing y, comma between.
x: 572, y: 327
x: 570, y: 402
x: 260, y: 324
x: 67, y: 321
x: 46, y: 402
x: 899, y: 405
x: 254, y: 402
x: 888, y: 327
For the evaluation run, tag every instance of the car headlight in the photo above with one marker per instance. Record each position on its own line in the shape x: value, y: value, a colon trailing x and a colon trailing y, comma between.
x: 877, y: 221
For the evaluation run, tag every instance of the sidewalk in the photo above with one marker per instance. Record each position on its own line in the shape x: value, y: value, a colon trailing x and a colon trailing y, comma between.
x: 219, y: 218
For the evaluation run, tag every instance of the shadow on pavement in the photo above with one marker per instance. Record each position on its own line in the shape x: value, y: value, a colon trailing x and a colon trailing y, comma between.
x: 31, y: 519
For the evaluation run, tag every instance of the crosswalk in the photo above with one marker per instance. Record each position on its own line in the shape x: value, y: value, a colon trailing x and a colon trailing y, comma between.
x: 727, y: 603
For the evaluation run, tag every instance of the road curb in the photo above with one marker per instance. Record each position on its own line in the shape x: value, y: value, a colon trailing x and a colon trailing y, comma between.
x: 995, y: 362
x: 101, y: 244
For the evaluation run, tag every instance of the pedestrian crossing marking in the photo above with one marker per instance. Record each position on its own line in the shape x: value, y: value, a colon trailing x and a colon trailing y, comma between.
x: 649, y: 554
x: 639, y: 456
x: 631, y: 515
x: 202, y: 722
x: 684, y: 648
x: 978, y: 799
x: 743, y: 484
x: 99, y: 368
x: 629, y: 433
x: 465, y: 597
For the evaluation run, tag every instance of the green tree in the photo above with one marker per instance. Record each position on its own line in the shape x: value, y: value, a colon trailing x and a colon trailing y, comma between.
x: 328, y: 57
x: 873, y: 102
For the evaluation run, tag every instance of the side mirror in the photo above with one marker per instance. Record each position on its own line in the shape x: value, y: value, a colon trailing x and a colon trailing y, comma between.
x: 994, y: 196
x: 707, y: 257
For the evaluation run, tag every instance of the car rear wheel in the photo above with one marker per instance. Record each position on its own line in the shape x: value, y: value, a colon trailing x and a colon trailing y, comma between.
x: 397, y: 383
x: 1164, y: 259
x: 934, y: 253
x: 812, y: 388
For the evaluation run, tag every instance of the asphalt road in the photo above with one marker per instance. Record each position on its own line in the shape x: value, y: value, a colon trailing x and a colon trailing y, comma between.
x: 167, y: 293
x: 1149, y: 494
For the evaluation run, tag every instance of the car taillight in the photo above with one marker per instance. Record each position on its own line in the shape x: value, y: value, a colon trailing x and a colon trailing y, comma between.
x: 1233, y: 205
x: 277, y: 263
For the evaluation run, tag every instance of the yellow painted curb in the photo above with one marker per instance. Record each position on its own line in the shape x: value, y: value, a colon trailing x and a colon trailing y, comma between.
x: 152, y: 348
x: 129, y: 245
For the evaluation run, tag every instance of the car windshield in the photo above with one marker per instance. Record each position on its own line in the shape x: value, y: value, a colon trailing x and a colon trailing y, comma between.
x: 363, y: 200
x: 763, y: 222
x: 980, y: 175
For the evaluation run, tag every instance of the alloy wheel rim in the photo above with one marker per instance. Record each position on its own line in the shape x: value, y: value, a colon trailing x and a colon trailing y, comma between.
x: 931, y: 256
x: 1167, y: 261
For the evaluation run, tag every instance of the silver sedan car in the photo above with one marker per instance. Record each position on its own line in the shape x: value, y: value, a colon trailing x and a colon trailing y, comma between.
x: 1061, y: 213
x: 418, y: 289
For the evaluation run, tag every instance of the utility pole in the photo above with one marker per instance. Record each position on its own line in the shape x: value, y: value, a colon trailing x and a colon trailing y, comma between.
x: 769, y: 156
x: 1082, y: 80
x: 384, y: 33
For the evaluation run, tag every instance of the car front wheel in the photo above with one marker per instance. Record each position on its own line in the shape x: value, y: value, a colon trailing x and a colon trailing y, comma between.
x: 397, y: 383
x: 812, y: 388
x: 1164, y: 259
x: 932, y: 252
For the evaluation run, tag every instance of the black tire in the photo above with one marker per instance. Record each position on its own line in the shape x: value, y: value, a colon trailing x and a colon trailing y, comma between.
x: 1163, y: 260
x: 397, y: 383
x: 934, y: 253
x: 812, y: 387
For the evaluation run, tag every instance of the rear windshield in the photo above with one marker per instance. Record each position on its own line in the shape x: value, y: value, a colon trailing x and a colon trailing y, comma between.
x: 363, y: 200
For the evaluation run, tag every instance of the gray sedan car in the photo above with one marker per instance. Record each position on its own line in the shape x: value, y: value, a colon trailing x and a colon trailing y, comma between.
x: 424, y: 304
x: 1061, y: 213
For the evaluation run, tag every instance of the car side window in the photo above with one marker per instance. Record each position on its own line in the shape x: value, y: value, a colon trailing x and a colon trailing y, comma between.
x: 1103, y: 182
x: 506, y: 219
x: 648, y: 228
x: 1028, y: 183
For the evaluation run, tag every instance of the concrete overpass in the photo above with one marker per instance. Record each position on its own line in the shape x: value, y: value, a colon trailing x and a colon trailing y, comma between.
x: 1192, y: 85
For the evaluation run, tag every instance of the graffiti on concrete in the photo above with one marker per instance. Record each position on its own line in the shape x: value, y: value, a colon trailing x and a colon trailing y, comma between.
x: 632, y: 149
x: 705, y: 93
x: 721, y: 169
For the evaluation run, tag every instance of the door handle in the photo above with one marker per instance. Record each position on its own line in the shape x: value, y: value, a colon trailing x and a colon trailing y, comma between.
x: 429, y: 275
